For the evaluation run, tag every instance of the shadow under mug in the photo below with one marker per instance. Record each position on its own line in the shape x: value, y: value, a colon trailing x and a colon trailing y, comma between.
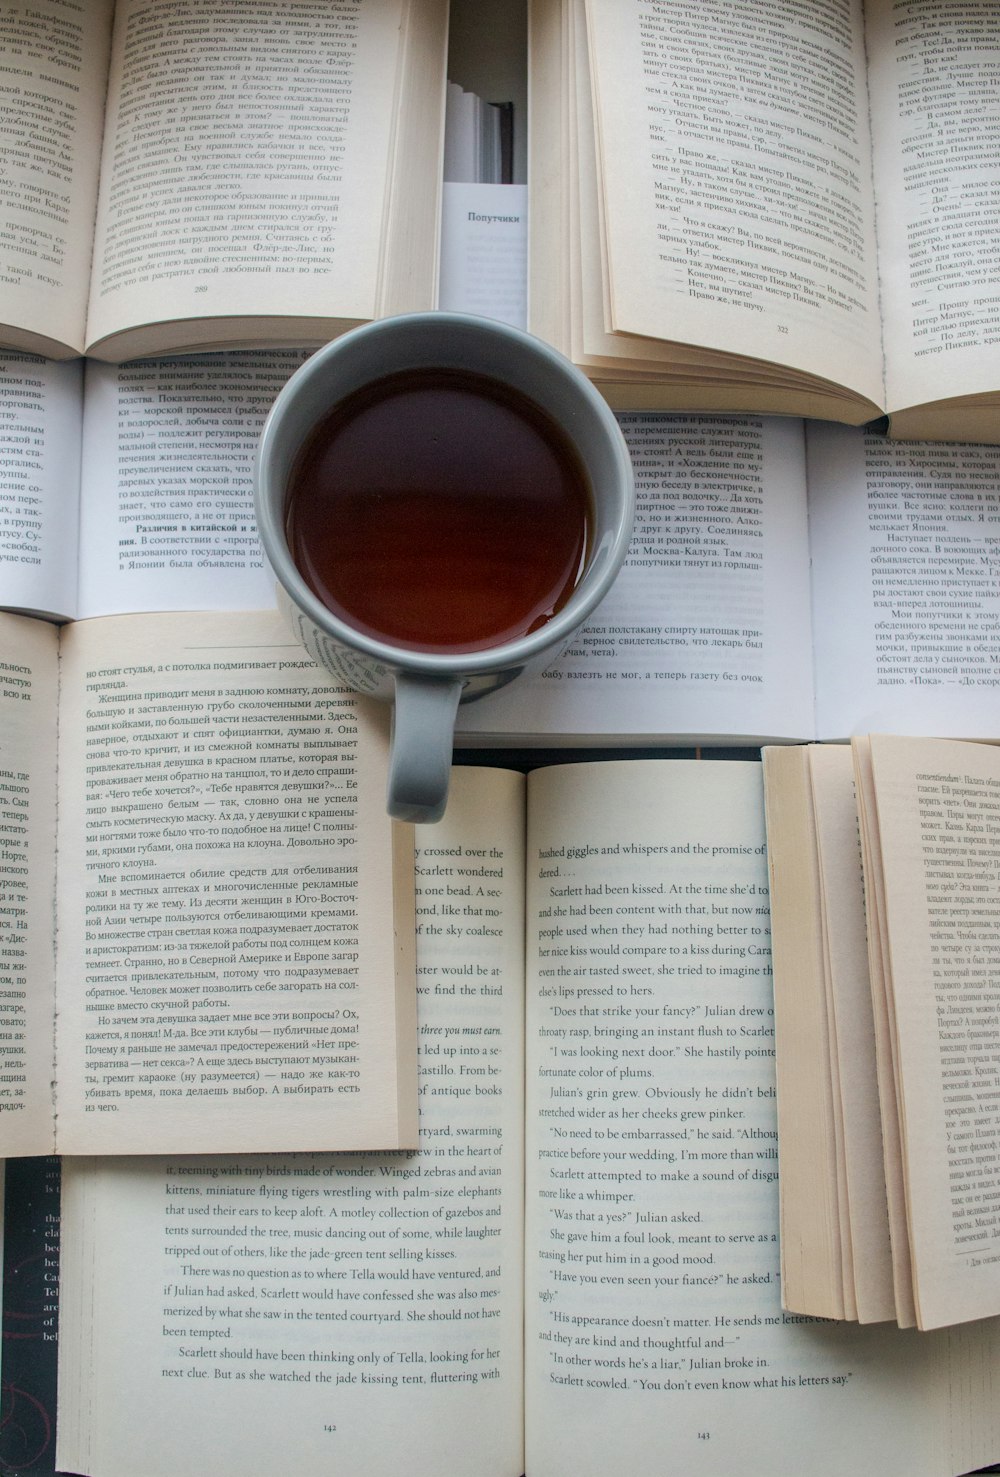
x: 427, y: 687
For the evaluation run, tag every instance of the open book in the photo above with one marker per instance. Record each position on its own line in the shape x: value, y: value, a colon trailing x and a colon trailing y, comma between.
x: 207, y: 918
x: 789, y: 210
x: 572, y: 1278
x: 785, y: 581
x: 217, y: 173
x: 885, y: 923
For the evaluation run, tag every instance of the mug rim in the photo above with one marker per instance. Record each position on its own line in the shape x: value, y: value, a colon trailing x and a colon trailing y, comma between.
x: 604, y: 560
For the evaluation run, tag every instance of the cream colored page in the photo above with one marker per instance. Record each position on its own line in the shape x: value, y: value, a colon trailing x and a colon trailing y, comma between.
x: 28, y: 698
x: 246, y: 161
x: 40, y: 430
x: 810, y: 1200
x: 618, y: 355
x: 906, y: 611
x: 371, y: 1304
x: 885, y: 1032
x: 655, y: 1338
x: 167, y: 520
x: 736, y: 174
x: 227, y: 958
x: 411, y: 233
x: 937, y: 810
x: 836, y: 818
x: 54, y: 56
x: 707, y: 628
x: 549, y: 239
x: 937, y: 160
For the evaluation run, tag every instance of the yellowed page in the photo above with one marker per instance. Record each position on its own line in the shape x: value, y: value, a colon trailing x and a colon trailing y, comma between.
x: 246, y: 169
x: 812, y: 1243
x: 411, y: 232
x: 737, y: 200
x: 29, y: 687
x: 548, y: 173
x: 568, y: 303
x: 846, y: 1228
x: 53, y: 75
x: 686, y: 376
x: 378, y: 1322
x: 229, y: 977
x: 937, y: 162
x: 938, y: 803
x: 885, y: 1034
x: 838, y: 847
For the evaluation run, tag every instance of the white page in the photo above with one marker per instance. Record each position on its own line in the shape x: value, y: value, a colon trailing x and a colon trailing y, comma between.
x: 39, y: 483
x: 906, y: 605
x: 706, y: 631
x: 167, y: 502
x: 484, y: 251
x: 461, y: 135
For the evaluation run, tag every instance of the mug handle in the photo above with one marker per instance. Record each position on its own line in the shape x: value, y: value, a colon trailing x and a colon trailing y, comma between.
x: 423, y: 728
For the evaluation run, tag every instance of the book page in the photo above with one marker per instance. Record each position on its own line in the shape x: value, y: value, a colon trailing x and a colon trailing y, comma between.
x: 550, y: 240
x: 39, y: 483
x: 735, y: 168
x: 484, y: 246
x: 29, y: 686
x: 937, y: 815
x: 815, y: 1245
x: 706, y: 631
x: 830, y: 1129
x: 638, y: 372
x: 884, y: 1021
x: 937, y: 157
x: 167, y: 519
x: 246, y: 163
x: 838, y: 844
x: 411, y: 226
x: 654, y: 1316
x: 53, y: 74
x: 906, y: 612
x: 462, y: 136
x: 568, y: 299
x: 229, y: 976
x: 380, y: 1294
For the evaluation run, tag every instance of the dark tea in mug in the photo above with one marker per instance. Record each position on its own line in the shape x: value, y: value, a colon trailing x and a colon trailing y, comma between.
x: 441, y: 511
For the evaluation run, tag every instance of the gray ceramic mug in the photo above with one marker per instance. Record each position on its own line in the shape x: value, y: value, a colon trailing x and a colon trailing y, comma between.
x: 426, y: 687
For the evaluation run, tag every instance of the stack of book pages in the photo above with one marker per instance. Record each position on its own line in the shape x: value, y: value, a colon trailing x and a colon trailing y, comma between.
x: 783, y: 211
x: 884, y: 861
